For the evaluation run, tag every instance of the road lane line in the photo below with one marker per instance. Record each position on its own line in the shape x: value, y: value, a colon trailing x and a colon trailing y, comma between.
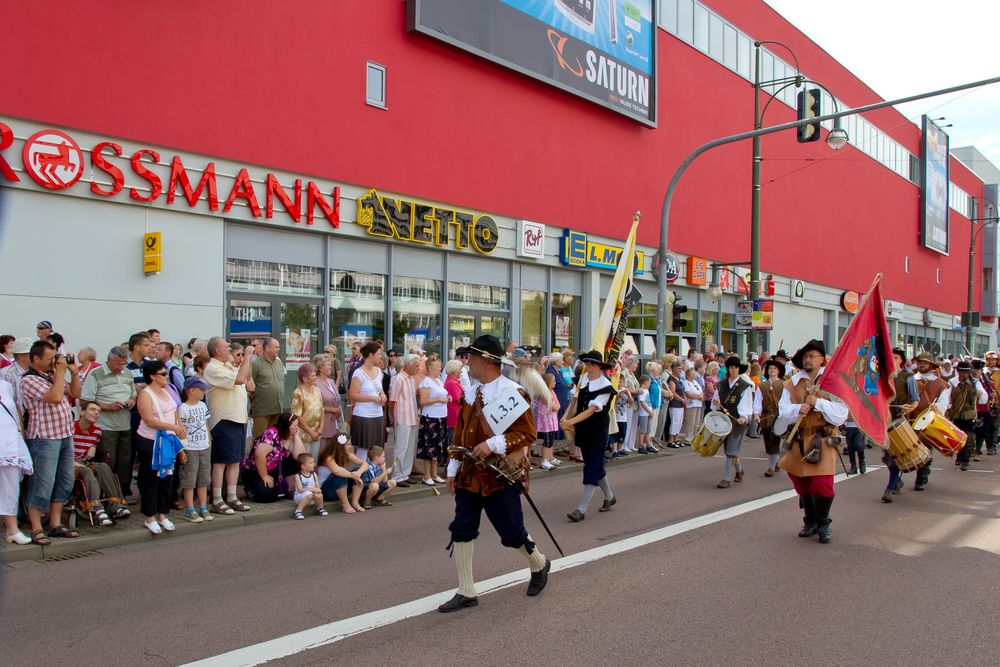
x: 329, y: 633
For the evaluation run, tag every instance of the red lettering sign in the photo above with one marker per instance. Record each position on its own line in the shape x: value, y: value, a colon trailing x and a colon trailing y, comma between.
x: 155, y: 185
x: 6, y: 139
x: 207, y: 182
x: 98, y: 160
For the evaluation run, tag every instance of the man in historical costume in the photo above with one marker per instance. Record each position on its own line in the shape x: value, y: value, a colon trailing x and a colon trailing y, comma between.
x: 810, y: 420
x: 933, y: 391
x: 765, y: 410
x: 992, y: 374
x: 478, y: 488
x: 965, y: 396
x: 902, y: 406
x: 734, y: 397
x: 984, y: 410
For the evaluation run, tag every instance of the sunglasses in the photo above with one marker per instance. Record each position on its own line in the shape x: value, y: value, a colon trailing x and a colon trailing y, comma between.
x: 161, y: 374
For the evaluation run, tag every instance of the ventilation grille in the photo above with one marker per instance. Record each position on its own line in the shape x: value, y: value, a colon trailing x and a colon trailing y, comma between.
x: 76, y: 556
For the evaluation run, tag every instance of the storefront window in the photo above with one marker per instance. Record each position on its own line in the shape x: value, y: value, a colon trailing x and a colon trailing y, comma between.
x: 565, y: 321
x: 247, y: 275
x: 416, y: 314
x: 532, y: 319
x: 249, y: 320
x: 357, y: 308
x: 478, y: 297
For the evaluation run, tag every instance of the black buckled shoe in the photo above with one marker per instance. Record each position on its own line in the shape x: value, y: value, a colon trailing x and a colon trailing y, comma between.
x: 459, y: 602
x: 539, y: 579
x: 608, y: 504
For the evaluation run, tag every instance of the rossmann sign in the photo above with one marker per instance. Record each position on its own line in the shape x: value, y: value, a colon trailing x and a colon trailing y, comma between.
x: 54, y: 160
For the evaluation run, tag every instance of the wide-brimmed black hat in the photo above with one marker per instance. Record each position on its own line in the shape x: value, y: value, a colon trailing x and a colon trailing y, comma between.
x: 901, y: 352
x: 978, y: 364
x: 964, y: 366
x: 490, y: 349
x: 595, y: 357
x: 777, y: 364
x: 735, y: 361
x: 812, y: 346
x: 781, y: 353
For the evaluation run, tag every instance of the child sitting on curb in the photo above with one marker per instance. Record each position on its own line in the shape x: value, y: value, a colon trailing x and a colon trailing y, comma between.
x: 307, y: 490
x: 375, y: 480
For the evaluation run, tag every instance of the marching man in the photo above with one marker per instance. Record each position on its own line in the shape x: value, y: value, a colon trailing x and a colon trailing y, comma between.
x: 734, y: 397
x: 478, y: 488
x: 811, y: 460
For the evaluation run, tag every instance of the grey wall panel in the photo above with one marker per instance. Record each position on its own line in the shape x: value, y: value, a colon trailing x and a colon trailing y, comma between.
x: 359, y: 256
x: 416, y: 263
x: 270, y: 245
x: 567, y: 282
x: 467, y: 269
x: 533, y: 278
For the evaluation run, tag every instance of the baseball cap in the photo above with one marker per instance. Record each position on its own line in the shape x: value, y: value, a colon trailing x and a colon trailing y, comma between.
x: 22, y: 346
x: 44, y: 324
x: 520, y: 352
x: 194, y: 382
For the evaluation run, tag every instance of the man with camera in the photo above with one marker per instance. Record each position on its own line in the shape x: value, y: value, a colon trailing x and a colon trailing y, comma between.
x: 49, y: 437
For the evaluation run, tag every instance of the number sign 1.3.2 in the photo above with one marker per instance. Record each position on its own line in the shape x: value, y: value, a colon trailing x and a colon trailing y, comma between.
x: 504, y: 409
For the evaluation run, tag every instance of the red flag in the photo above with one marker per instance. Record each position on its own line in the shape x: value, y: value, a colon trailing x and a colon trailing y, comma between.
x: 860, y: 369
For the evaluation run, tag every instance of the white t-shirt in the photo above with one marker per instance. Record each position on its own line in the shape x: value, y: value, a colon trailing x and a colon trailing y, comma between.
x: 692, y: 386
x: 434, y: 410
x: 369, y: 387
x: 194, y: 418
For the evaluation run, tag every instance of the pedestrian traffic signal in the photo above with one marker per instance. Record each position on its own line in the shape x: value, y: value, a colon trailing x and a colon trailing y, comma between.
x: 809, y: 107
x: 677, y: 322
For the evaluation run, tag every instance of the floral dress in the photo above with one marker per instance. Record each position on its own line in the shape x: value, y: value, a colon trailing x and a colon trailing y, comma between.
x: 307, y: 405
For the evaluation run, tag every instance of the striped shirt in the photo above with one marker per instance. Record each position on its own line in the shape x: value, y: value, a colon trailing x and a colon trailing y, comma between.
x: 47, y: 421
x: 84, y: 441
x: 403, y: 393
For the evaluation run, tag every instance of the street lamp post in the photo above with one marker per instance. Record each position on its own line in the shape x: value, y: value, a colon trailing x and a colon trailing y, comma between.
x: 836, y: 140
x: 986, y: 220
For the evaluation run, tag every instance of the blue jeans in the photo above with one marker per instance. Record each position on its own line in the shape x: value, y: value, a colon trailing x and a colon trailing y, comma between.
x: 53, y: 478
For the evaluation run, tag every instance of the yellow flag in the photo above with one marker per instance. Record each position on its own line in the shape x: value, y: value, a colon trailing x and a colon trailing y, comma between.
x: 609, y: 334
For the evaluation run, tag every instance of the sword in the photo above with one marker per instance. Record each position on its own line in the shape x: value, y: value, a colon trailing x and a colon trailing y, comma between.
x: 510, y: 479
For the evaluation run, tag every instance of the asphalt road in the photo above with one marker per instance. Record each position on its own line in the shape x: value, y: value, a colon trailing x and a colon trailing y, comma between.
x: 913, y: 582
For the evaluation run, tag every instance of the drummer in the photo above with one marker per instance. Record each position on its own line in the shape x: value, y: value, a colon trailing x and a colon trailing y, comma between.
x: 934, y: 393
x: 765, y: 410
x: 734, y: 397
x: 965, y: 396
x: 902, y: 405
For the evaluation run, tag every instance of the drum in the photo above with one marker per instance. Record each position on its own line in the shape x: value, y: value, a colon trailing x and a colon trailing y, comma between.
x: 937, y: 431
x: 712, y: 434
x: 907, y: 452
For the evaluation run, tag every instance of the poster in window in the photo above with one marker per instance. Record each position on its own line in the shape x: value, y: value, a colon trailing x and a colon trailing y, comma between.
x: 562, y: 330
x: 298, y: 347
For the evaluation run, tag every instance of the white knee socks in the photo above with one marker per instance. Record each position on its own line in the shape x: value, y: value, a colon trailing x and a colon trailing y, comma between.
x: 463, y: 560
x: 536, y: 559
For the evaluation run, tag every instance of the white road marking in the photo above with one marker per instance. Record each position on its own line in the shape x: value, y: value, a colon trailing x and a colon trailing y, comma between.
x: 329, y: 633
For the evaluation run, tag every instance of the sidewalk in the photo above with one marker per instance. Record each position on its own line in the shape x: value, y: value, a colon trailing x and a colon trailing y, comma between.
x: 132, y: 531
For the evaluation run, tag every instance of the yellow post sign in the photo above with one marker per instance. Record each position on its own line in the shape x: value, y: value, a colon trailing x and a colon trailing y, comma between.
x: 152, y: 252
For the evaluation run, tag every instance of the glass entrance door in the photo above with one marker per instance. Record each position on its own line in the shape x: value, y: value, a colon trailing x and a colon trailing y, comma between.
x: 465, y: 327
x: 295, y: 323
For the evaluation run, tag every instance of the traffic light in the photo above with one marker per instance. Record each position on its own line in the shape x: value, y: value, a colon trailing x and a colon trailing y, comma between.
x: 809, y: 107
x: 677, y: 322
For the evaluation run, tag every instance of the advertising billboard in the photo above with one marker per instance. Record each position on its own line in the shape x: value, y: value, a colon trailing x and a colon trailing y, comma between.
x: 934, y: 188
x: 602, y: 50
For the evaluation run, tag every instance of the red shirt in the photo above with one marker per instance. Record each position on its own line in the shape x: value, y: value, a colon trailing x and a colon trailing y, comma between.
x: 454, y: 389
x: 84, y: 441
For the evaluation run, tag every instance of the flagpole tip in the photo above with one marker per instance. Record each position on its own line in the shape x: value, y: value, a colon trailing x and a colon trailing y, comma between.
x: 635, y: 218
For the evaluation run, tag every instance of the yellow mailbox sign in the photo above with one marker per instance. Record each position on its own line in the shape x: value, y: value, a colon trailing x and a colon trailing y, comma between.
x: 152, y: 252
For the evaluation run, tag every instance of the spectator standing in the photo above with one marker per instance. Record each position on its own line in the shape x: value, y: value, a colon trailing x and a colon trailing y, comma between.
x: 675, y: 407
x: 164, y: 351
x: 329, y: 390
x: 44, y: 330
x: 453, y: 385
x: 433, y: 429
x: 199, y: 348
x: 6, y: 355
x: 561, y: 388
x: 154, y: 336
x: 268, y: 374
x: 694, y: 401
x: 86, y: 361
x: 157, y: 413
x: 196, y: 471
x: 15, y: 463
x: 50, y: 438
x: 630, y: 382
x: 227, y: 408
x: 546, y: 412
x: 271, y: 465
x: 654, y: 370
x: 405, y: 417
x: 354, y: 362
x: 367, y: 399
x: 138, y: 346
x: 112, y: 389
x: 19, y: 351
x: 307, y: 405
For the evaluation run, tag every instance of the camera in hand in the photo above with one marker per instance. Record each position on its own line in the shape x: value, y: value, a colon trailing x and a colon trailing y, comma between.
x: 70, y: 359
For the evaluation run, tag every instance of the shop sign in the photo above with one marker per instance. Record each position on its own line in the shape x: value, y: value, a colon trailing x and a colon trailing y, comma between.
x: 577, y: 250
x: 742, y: 281
x: 757, y: 315
x: 744, y: 315
x: 850, y: 301
x: 796, y: 290
x: 406, y: 220
x: 55, y: 161
x: 956, y: 323
x: 893, y: 309
x: 530, y: 239
x: 152, y: 253
x: 697, y: 273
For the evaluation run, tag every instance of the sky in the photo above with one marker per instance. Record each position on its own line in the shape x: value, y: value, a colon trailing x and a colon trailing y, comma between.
x: 904, y: 47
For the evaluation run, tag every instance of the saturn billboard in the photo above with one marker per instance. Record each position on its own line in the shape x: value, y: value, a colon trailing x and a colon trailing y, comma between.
x: 602, y: 50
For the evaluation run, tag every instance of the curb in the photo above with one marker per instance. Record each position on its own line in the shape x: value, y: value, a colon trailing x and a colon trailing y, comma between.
x: 94, y: 540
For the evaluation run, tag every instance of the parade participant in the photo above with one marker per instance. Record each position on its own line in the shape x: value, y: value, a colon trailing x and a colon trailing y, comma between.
x: 734, y: 397
x: 902, y: 405
x: 810, y: 418
x: 765, y: 410
x: 984, y: 411
x: 593, y: 395
x: 479, y: 488
x: 935, y: 393
x: 964, y: 398
x: 992, y: 374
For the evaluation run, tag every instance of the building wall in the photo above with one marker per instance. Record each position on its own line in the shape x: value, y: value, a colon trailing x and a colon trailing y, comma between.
x: 80, y: 266
x: 467, y: 132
